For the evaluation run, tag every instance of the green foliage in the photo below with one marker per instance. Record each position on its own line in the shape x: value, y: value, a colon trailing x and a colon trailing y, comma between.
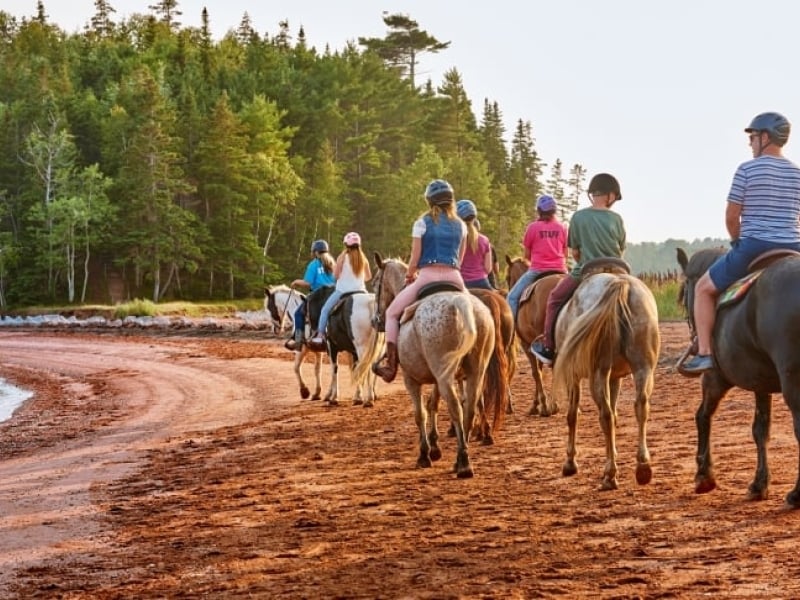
x: 666, y: 295
x: 135, y: 308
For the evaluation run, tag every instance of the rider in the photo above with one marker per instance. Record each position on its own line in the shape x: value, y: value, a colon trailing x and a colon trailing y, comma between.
x: 352, y: 272
x: 544, y: 245
x: 437, y: 247
x: 594, y: 232
x: 762, y: 214
x: 477, y: 262
x: 319, y: 273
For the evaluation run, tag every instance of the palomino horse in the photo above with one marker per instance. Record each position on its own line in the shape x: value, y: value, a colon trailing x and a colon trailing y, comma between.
x: 608, y: 330
x: 350, y: 330
x: 530, y: 325
x: 444, y: 338
x: 280, y: 303
x: 755, y: 348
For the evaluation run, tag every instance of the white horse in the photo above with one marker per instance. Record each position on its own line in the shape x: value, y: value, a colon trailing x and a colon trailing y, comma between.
x: 280, y: 303
x: 350, y: 330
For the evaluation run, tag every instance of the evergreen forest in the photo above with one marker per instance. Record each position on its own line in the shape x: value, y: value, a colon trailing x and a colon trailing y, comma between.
x: 148, y: 157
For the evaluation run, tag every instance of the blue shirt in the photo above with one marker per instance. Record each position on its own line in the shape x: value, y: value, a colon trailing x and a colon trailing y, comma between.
x: 316, y: 276
x: 440, y: 241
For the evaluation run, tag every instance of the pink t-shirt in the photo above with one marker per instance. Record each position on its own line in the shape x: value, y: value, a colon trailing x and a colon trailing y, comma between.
x: 472, y: 267
x: 547, y: 242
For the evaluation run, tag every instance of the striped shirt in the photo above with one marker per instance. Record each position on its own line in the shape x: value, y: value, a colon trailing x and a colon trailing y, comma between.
x: 768, y: 189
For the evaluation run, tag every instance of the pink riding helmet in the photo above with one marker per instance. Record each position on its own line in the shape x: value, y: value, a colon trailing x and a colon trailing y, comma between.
x: 352, y: 239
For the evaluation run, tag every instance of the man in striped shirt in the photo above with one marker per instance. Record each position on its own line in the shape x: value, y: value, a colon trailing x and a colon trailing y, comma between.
x: 763, y: 214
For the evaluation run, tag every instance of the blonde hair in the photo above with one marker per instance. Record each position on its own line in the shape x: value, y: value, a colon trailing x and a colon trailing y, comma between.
x: 327, y: 261
x: 358, y: 260
x: 472, y: 234
x: 436, y: 210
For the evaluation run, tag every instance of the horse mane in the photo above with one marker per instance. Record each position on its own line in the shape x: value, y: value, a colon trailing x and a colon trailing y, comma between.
x: 694, y: 267
x: 279, y: 288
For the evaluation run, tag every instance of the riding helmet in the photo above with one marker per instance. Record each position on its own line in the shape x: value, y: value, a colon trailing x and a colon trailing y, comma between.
x: 604, y: 183
x: 466, y: 209
x: 352, y: 240
x: 439, y: 192
x: 775, y: 124
x: 319, y: 246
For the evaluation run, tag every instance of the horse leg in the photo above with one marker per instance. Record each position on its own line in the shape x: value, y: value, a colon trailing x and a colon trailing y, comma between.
x: 644, y: 387
x: 539, y: 398
x: 606, y: 403
x: 298, y: 363
x: 462, y: 419
x: 332, y: 397
x: 433, y: 428
x: 793, y: 402
x: 714, y: 390
x: 421, y: 419
x: 318, y: 375
x: 759, y: 487
x: 574, y: 398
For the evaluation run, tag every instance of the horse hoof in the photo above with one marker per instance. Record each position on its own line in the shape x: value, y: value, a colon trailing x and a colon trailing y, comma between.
x: 423, y: 462
x: 756, y: 493
x: 608, y: 485
x: 358, y: 402
x: 316, y: 397
x: 368, y: 404
x: 487, y: 440
x: 465, y: 473
x: 333, y: 402
x: 304, y: 393
x: 792, y: 500
x: 644, y: 473
x: 569, y: 469
x: 703, y: 485
x: 436, y: 453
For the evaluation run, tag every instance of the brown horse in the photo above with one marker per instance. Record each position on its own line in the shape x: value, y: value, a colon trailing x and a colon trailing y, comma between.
x: 607, y: 331
x: 530, y: 325
x: 446, y: 339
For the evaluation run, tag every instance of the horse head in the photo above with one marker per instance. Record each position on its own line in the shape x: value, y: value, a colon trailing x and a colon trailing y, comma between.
x: 387, y: 281
x: 693, y: 268
x: 516, y: 269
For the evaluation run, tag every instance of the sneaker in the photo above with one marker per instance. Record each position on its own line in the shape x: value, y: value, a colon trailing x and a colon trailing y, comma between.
x: 699, y: 364
x: 317, y: 343
x: 543, y: 353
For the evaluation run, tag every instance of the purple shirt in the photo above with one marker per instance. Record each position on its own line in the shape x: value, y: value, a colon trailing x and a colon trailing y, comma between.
x: 472, y: 267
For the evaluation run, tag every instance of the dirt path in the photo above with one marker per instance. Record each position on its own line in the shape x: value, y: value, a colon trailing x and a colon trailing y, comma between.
x: 188, y: 467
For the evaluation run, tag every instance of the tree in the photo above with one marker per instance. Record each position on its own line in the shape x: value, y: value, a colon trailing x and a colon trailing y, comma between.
x: 403, y: 44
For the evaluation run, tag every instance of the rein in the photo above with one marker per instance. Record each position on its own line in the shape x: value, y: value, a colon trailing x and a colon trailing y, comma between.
x: 286, y: 304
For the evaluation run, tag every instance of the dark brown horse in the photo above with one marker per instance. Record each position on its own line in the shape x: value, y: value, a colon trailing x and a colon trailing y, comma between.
x: 755, y: 348
x: 530, y: 324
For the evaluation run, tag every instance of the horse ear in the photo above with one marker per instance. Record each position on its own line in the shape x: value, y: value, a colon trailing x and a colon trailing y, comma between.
x: 508, y: 260
x: 683, y: 259
x: 378, y: 259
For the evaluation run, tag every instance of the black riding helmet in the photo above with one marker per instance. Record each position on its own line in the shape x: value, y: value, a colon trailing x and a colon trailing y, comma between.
x: 604, y: 183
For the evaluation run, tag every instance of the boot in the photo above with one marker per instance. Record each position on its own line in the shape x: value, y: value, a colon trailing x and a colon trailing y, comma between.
x: 296, y: 343
x: 388, y: 371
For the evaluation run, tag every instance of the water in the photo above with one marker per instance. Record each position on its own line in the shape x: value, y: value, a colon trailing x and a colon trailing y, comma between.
x: 10, y: 398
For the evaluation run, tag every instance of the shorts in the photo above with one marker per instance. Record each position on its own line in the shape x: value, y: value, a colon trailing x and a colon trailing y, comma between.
x: 732, y: 266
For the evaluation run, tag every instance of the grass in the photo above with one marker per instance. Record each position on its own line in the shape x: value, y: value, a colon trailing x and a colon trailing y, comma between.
x: 147, y: 308
x: 666, y: 295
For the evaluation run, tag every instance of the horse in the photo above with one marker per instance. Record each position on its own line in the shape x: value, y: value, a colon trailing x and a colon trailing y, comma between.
x: 530, y: 325
x: 445, y: 337
x: 755, y: 348
x: 350, y: 330
x: 606, y: 331
x: 280, y: 303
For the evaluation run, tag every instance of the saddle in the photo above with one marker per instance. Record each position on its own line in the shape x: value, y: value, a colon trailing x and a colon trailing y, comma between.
x: 528, y: 291
x: 605, y: 264
x: 340, y: 302
x: 738, y: 289
x: 425, y: 291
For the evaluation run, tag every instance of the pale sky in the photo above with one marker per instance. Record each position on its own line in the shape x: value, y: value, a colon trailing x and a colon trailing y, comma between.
x: 656, y: 93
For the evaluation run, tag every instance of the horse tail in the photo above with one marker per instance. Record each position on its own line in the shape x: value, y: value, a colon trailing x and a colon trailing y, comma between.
x: 495, y: 383
x: 595, y: 337
x: 373, y: 353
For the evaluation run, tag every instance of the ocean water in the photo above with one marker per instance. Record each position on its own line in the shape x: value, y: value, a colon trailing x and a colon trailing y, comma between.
x: 10, y: 398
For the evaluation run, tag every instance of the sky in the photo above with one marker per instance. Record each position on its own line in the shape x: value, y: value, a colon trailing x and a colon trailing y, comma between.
x: 657, y: 94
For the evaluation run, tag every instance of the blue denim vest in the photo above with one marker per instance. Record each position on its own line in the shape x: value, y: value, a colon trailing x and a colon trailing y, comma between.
x: 440, y: 242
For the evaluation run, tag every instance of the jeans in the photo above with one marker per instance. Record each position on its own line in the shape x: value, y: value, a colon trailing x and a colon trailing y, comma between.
x: 515, y: 293
x: 479, y: 283
x: 326, y: 310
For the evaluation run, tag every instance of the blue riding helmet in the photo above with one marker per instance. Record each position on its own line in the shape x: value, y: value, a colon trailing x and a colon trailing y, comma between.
x: 775, y: 124
x: 436, y: 187
x: 546, y: 203
x: 319, y: 246
x: 466, y: 209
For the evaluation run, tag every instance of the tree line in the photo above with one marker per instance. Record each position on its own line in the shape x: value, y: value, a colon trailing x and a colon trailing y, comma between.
x: 146, y: 152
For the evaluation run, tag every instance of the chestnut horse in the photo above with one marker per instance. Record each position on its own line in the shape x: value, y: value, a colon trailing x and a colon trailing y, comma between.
x: 445, y: 338
x: 530, y: 325
x: 607, y: 331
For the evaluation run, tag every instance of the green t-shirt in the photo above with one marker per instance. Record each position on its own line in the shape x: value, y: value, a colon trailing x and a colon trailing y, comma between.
x: 597, y: 233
